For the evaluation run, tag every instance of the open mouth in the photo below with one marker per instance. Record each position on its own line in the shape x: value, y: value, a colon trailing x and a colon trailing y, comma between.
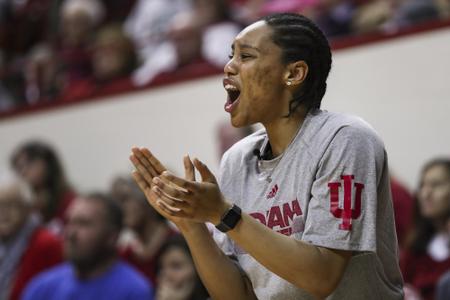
x: 233, y: 96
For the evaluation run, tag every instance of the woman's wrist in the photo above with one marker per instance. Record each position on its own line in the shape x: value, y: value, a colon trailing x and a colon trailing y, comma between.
x: 221, y: 211
x: 190, y: 227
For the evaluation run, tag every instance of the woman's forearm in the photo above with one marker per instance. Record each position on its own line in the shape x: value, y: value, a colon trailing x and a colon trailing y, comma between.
x: 315, y: 269
x: 220, y: 275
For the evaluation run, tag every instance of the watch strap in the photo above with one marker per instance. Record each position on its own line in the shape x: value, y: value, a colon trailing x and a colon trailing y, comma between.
x: 230, y: 219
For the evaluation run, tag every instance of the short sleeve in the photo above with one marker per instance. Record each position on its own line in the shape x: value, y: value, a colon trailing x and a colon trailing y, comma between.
x: 342, y: 210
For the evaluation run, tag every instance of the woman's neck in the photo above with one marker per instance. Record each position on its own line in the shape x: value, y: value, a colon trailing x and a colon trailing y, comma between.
x: 282, y: 131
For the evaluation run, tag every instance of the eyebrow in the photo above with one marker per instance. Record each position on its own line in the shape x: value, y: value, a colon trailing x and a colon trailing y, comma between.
x: 246, y: 46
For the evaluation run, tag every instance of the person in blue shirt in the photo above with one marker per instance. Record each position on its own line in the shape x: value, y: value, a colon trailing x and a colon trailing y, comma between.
x: 93, y: 270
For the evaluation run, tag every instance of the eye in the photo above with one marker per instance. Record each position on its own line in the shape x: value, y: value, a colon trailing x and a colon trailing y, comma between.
x: 245, y: 56
x: 230, y: 56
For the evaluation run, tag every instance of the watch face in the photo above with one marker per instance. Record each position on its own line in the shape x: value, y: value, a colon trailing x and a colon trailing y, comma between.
x: 231, y: 218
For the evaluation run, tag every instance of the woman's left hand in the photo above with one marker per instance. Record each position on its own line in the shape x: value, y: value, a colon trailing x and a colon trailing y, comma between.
x: 198, y: 201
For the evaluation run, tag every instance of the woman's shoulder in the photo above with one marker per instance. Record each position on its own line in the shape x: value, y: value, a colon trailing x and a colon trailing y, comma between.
x: 324, y: 126
x: 327, y: 120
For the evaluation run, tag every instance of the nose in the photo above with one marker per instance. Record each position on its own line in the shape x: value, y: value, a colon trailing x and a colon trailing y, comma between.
x: 425, y: 192
x: 230, y: 67
x: 69, y: 232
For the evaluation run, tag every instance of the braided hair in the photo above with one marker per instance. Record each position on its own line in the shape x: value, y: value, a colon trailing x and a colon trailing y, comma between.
x: 300, y: 39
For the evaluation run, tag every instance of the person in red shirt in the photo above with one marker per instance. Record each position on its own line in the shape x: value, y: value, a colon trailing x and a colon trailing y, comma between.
x: 26, y: 248
x: 39, y: 165
x: 403, y: 209
x: 427, y: 256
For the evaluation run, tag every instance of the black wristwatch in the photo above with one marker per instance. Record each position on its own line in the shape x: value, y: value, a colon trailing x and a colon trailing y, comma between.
x: 229, y: 219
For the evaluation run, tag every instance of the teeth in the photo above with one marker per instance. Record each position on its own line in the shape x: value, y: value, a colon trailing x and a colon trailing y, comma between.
x: 230, y: 87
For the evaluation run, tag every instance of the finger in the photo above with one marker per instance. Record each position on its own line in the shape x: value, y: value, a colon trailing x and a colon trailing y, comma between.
x: 168, y: 188
x: 174, y: 204
x: 166, y: 209
x: 140, y: 181
x: 189, y: 170
x: 172, y: 201
x: 141, y: 169
x: 144, y: 161
x: 170, y: 211
x: 180, y: 183
x: 205, y: 173
x: 143, y: 185
x: 156, y: 164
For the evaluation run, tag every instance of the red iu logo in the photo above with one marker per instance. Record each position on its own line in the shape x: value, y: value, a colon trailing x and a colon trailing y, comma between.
x: 346, y: 213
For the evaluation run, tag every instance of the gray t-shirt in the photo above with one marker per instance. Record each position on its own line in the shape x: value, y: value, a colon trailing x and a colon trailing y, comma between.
x: 330, y: 188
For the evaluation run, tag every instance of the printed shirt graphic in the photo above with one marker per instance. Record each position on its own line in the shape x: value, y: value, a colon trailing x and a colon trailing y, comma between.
x: 330, y: 188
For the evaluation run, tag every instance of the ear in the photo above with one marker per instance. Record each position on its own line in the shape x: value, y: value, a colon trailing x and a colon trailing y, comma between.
x: 296, y: 73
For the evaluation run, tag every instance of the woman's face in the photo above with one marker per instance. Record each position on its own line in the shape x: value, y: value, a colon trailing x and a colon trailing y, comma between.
x: 76, y: 27
x: 32, y: 171
x: 434, y: 192
x: 177, y: 268
x: 255, y: 78
x: 135, y: 213
x: 13, y: 211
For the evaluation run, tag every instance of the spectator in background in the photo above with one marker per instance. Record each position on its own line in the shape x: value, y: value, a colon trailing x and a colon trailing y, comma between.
x: 117, y: 10
x: 403, y: 203
x: 227, y: 136
x: 201, y: 33
x: 372, y: 15
x: 213, y: 21
x: 177, y: 276
x: 113, y: 59
x: 443, y: 7
x: 113, y: 54
x: 412, y: 12
x: 38, y: 164
x: 427, y: 256
x: 148, y: 25
x: 296, y: 6
x: 443, y: 287
x: 79, y: 20
x: 334, y: 16
x: 246, y: 12
x: 146, y: 230
x: 93, y: 270
x: 23, y: 24
x: 7, y: 100
x: 204, y: 33
x: 42, y: 83
x: 25, y: 247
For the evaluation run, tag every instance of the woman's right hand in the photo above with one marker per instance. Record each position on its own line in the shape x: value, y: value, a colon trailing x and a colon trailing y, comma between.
x: 147, y: 167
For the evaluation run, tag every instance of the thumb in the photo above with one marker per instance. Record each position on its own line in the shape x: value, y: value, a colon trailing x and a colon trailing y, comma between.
x: 205, y: 173
x: 189, y: 171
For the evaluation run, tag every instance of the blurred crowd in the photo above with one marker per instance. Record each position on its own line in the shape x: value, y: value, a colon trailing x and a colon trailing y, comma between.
x: 67, y: 50
x: 56, y: 243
